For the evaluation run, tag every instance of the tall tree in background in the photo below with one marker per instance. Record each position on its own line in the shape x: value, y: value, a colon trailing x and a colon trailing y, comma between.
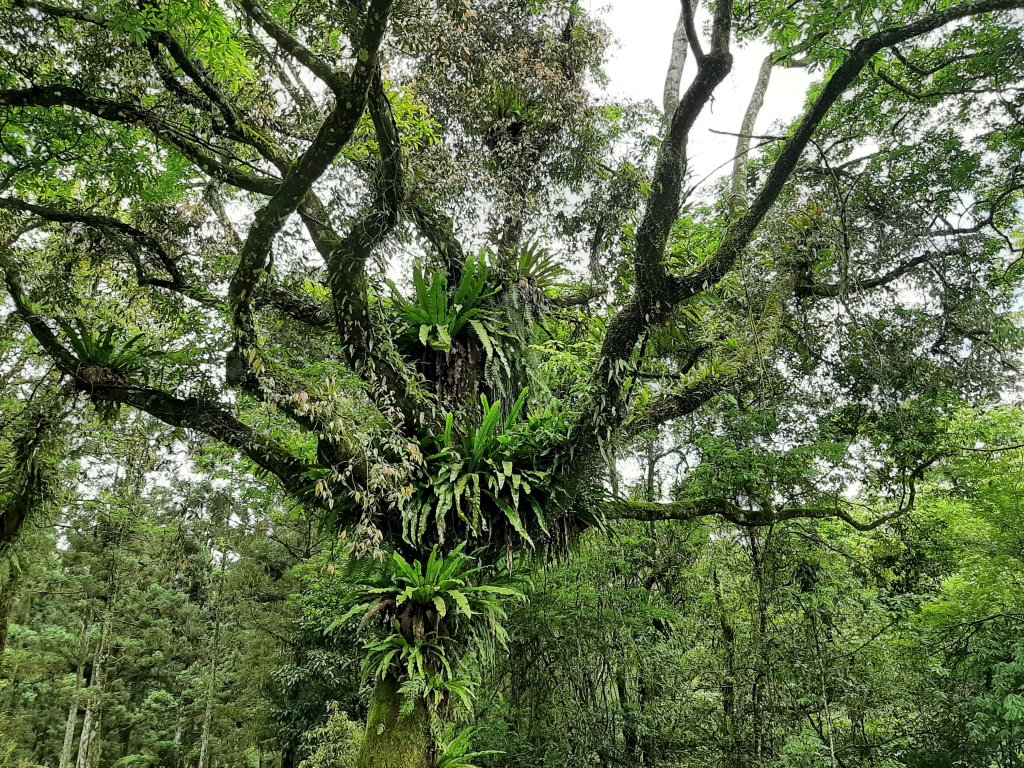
x: 122, y: 588
x: 202, y: 203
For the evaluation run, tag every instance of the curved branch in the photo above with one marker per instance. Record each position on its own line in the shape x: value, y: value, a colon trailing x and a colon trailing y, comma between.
x: 694, y: 509
x: 335, y: 80
x: 132, y: 114
x: 334, y: 133
x: 189, y: 413
x: 742, y: 231
x: 366, y: 352
x: 656, y: 292
x: 841, y: 289
x: 143, y: 239
x: 439, y: 231
x: 675, y: 405
x: 686, y: 19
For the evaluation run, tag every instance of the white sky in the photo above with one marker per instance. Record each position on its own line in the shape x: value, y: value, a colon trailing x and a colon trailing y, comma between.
x: 636, y: 68
x: 637, y: 65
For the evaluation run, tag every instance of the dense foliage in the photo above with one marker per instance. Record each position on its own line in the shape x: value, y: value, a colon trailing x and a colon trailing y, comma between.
x: 694, y: 644
x: 378, y: 391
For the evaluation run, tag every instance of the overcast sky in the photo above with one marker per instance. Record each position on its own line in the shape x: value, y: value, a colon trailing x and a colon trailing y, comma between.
x: 636, y: 67
x: 644, y: 28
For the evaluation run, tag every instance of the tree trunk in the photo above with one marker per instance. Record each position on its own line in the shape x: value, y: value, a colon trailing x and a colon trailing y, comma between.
x: 204, y: 745
x: 394, y: 740
x: 179, y: 727
x: 677, y: 62
x: 72, y: 723
x: 761, y: 717
x: 730, y: 720
x: 7, y: 600
x: 738, y: 191
x: 630, y: 737
x: 90, y: 721
x: 288, y: 757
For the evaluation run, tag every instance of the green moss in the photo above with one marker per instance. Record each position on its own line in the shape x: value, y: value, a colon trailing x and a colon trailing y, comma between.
x: 394, y: 739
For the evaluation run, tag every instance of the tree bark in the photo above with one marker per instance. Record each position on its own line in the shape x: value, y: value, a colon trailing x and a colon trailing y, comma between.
x: 761, y: 717
x: 394, y: 739
x: 204, y: 745
x: 677, y: 61
x: 731, y: 743
x: 72, y: 723
x: 738, y: 191
x: 179, y: 726
x: 90, y: 721
x: 630, y: 735
x: 7, y: 601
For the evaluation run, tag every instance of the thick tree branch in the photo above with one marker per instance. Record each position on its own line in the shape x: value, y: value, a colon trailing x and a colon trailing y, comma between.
x: 675, y: 404
x: 694, y: 509
x: 687, y: 18
x: 439, y: 231
x: 143, y: 239
x: 188, y: 413
x: 337, y: 81
x: 335, y: 132
x: 365, y: 350
x: 842, y: 289
x: 741, y: 232
x: 655, y: 290
x: 653, y: 286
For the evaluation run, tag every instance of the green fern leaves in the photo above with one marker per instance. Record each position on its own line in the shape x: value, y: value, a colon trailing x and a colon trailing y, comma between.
x: 487, y: 475
x: 428, y: 611
x: 103, y: 350
x: 436, y: 317
x: 539, y: 267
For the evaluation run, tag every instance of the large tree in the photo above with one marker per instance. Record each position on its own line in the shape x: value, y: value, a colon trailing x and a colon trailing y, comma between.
x: 202, y: 203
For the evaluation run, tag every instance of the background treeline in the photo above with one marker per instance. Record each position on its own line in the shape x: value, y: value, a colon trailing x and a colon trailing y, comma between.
x: 151, y: 615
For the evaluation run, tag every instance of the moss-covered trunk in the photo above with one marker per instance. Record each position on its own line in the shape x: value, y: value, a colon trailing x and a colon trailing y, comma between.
x: 394, y: 740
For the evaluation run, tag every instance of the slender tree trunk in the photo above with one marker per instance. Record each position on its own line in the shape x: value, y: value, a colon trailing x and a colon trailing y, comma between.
x: 179, y: 727
x: 394, y: 739
x: 8, y: 593
x: 72, y: 722
x: 630, y: 736
x: 133, y: 481
x: 91, y: 719
x: 760, y: 717
x: 738, y: 192
x: 204, y: 744
x: 651, y: 479
x: 824, y: 691
x: 728, y: 684
x: 613, y: 470
x: 677, y: 61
